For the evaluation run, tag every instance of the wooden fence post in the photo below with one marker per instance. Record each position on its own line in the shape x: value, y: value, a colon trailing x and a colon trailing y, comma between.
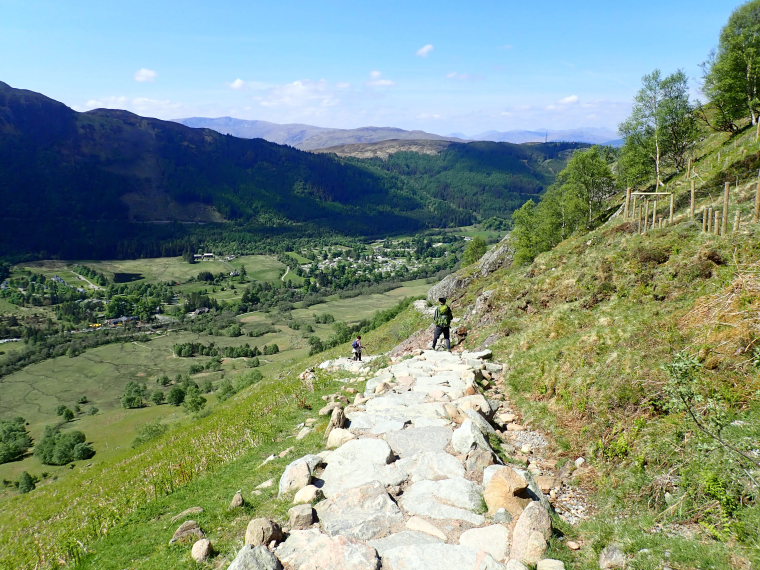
x: 757, y: 196
x: 646, y: 215
x: 704, y: 220
x: 672, y: 204
x: 692, y: 198
x: 726, y: 193
x: 737, y: 221
x: 627, y: 203
x: 716, y: 222
x: 654, y: 214
x: 709, y: 220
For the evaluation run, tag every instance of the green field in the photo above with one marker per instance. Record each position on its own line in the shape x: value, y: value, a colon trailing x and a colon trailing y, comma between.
x: 166, y: 269
x: 102, y: 373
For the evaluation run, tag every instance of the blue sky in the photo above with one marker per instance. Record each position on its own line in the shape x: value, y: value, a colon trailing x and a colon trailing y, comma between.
x: 441, y: 66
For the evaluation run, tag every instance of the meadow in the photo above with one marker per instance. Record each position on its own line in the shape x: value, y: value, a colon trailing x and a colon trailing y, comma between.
x: 101, y: 374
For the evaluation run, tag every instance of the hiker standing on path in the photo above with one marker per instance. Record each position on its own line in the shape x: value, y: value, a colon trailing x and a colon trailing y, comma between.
x: 442, y: 320
x: 357, y: 347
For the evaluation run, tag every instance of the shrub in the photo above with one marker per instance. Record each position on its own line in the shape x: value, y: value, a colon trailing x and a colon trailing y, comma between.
x: 148, y: 432
x: 56, y: 448
x: 176, y: 396
x: 14, y: 439
x: 26, y: 483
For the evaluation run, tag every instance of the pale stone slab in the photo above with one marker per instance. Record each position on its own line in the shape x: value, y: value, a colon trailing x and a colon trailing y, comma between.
x: 438, y: 557
x: 493, y: 539
x: 363, y: 512
x: 445, y: 499
x: 312, y: 550
x: 403, y: 538
x: 421, y: 525
x: 411, y: 441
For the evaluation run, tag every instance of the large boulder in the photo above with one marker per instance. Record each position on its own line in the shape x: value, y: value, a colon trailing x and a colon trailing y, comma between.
x: 354, y: 463
x: 438, y: 556
x: 493, y: 539
x: 445, y: 499
x: 262, y: 531
x: 363, y: 512
x: 531, y: 533
x: 298, y: 474
x: 316, y: 551
x: 506, y: 489
x: 255, y: 558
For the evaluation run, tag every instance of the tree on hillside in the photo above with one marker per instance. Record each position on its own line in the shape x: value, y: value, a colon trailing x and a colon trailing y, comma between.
x: 57, y: 448
x: 575, y: 202
x: 475, y: 250
x: 661, y: 129
x: 14, y: 439
x: 732, y: 74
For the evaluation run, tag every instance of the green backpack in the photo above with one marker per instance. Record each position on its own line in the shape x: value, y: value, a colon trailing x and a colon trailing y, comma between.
x: 442, y: 316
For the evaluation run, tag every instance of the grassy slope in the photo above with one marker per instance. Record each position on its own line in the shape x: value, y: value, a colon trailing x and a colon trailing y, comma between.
x: 585, y: 331
x: 202, y: 461
x: 103, y: 372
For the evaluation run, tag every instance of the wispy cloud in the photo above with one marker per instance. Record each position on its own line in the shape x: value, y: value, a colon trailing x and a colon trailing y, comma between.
x: 144, y: 106
x: 569, y: 100
x: 237, y: 84
x: 144, y: 75
x: 300, y: 93
x: 425, y: 50
x: 377, y: 80
x: 463, y: 76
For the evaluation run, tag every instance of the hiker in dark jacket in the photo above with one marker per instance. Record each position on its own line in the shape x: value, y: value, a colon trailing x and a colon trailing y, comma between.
x: 357, y: 348
x: 442, y: 320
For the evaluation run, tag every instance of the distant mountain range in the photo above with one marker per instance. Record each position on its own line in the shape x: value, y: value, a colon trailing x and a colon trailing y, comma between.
x: 309, y: 137
x: 591, y: 135
x: 109, y: 183
x: 306, y: 137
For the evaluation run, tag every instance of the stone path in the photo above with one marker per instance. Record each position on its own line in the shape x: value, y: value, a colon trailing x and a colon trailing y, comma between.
x: 413, y: 482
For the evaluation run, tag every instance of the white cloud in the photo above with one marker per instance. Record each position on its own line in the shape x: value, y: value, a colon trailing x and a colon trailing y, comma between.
x: 300, y: 93
x: 463, y: 76
x: 144, y: 75
x: 376, y: 80
x: 569, y: 100
x: 425, y: 50
x: 237, y: 84
x: 162, y: 108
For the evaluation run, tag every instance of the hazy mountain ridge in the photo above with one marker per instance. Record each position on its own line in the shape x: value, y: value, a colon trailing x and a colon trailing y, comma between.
x: 306, y: 137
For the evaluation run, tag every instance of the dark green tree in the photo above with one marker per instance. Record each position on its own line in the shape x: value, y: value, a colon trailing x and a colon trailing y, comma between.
x: 26, y: 483
x: 14, y: 439
x: 661, y: 129
x: 732, y: 74
x: 474, y: 251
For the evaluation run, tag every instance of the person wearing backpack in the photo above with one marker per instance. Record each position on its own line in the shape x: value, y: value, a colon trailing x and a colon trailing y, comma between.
x: 357, y: 347
x: 442, y: 320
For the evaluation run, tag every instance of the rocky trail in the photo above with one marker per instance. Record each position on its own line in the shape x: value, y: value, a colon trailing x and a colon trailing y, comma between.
x: 427, y: 469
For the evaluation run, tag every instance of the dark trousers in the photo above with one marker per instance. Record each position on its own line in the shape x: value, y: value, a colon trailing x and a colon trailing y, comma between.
x: 445, y: 331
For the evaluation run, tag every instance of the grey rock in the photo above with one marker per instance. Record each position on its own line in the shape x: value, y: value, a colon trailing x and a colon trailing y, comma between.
x: 187, y: 531
x: 493, y: 539
x: 451, y: 287
x: 480, y: 422
x: 354, y: 463
x: 500, y: 255
x: 237, y: 500
x: 301, y: 516
x: 255, y: 558
x: 430, y: 465
x: 477, y: 460
x: 612, y: 556
x: 312, y: 550
x: 187, y: 513
x: 438, y: 556
x: 515, y: 565
x: 468, y: 436
x: 298, y: 474
x: 411, y: 441
x: 363, y: 512
x: 404, y: 538
x: 202, y: 550
x: 531, y: 533
x: 445, y: 499
x: 262, y: 531
x: 550, y: 564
